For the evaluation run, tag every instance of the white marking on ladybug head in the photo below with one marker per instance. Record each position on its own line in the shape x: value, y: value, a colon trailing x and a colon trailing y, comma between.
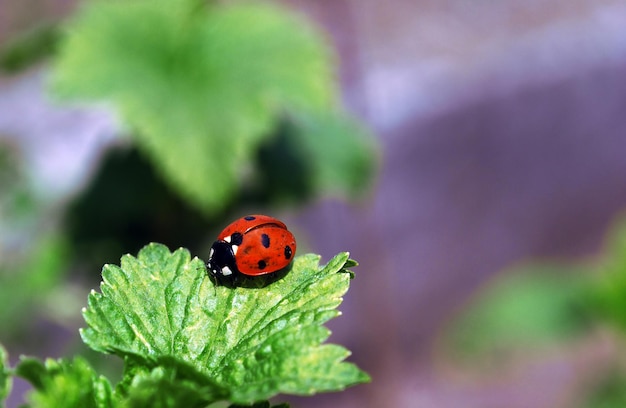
x: 211, y: 253
x: 226, y: 271
x: 227, y: 239
x: 235, y: 248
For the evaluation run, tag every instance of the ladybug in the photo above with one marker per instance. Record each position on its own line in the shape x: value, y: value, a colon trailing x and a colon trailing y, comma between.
x: 253, y: 245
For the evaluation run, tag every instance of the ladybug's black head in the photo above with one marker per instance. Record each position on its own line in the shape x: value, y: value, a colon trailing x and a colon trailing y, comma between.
x: 221, y: 262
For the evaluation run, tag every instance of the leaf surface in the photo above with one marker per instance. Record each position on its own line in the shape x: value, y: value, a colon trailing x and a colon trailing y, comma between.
x: 256, y: 342
x: 66, y: 383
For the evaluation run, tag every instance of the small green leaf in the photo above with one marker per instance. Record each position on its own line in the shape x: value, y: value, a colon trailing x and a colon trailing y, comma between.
x: 203, y: 86
x: 63, y: 383
x: 165, y: 387
x: 164, y: 380
x: 254, y: 342
x: 5, y: 376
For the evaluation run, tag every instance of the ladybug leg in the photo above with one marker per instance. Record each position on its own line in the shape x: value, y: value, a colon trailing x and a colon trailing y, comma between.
x: 235, y: 280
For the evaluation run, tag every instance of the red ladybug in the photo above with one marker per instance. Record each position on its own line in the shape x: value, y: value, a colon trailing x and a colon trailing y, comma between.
x: 252, y: 245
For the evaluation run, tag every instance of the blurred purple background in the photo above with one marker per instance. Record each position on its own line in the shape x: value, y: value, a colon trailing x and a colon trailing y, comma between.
x: 503, y: 128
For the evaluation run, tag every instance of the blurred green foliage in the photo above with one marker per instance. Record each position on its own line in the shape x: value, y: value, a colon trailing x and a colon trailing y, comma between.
x: 29, y: 47
x: 6, y: 381
x: 26, y: 288
x: 310, y: 154
x: 17, y: 202
x: 205, y: 87
x: 543, y: 304
x: 528, y: 307
x: 610, y: 393
x: 607, y: 299
x: 33, y: 256
x: 606, y: 302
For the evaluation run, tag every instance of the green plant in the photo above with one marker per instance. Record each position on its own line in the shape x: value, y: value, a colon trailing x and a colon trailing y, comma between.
x: 29, y: 47
x: 607, y: 297
x: 204, y: 85
x: 5, y: 376
x: 529, y: 306
x: 543, y: 303
x: 540, y: 305
x: 186, y: 342
x: 205, y: 89
x: 33, y: 259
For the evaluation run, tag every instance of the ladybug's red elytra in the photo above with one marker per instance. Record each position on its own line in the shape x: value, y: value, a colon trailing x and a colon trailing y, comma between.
x: 253, y: 245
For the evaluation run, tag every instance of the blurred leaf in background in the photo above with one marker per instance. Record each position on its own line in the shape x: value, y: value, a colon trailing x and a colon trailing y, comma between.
x: 33, y: 255
x: 542, y: 305
x: 313, y: 154
x: 607, y: 298
x: 203, y: 86
x: 29, y: 47
x: 26, y: 289
x: 611, y: 392
x: 528, y: 307
x: 606, y: 302
x: 341, y: 153
x: 5, y: 379
x: 18, y: 205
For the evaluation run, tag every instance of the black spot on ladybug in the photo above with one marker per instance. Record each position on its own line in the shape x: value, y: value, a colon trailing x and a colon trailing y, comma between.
x: 249, y: 218
x: 288, y: 252
x: 262, y: 264
x: 265, y: 240
x: 236, y: 238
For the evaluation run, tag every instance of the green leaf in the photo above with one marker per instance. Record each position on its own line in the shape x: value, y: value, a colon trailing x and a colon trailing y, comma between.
x: 535, y: 305
x: 5, y: 376
x: 609, y: 392
x: 312, y: 154
x: 165, y: 380
x: 341, y: 152
x: 166, y: 386
x: 607, y: 295
x: 256, y: 342
x: 29, y: 47
x: 202, y: 86
x: 63, y: 383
